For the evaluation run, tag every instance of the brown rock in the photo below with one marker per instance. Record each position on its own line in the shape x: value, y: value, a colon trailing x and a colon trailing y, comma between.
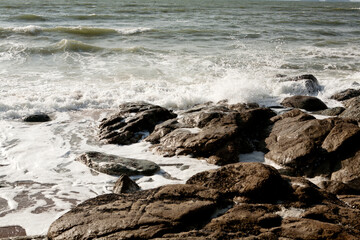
x: 331, y: 111
x: 352, y: 110
x: 254, y: 181
x: 346, y: 94
x: 304, y: 102
x: 12, y: 231
x: 348, y: 172
x: 132, y: 123
x: 125, y: 185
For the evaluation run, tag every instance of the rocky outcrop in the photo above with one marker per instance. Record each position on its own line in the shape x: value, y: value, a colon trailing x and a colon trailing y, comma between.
x: 41, y: 117
x: 311, y: 146
x: 304, y: 102
x: 205, y: 209
x: 125, y: 185
x: 331, y: 111
x: 132, y: 123
x: 346, y: 94
x: 218, y: 133
x: 115, y: 165
x: 312, y: 85
x: 352, y: 110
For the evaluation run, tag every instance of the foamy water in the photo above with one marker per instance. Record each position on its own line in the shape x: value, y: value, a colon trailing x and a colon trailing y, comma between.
x: 79, y: 61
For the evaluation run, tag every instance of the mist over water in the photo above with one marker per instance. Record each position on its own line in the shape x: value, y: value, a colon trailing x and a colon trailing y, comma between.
x: 77, y: 61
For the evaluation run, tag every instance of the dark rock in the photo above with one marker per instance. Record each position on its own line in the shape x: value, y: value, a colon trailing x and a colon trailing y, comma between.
x: 216, y: 132
x: 311, y: 83
x: 12, y: 231
x: 115, y: 165
x: 337, y: 188
x: 346, y: 94
x: 304, y: 102
x: 255, y: 181
x: 132, y: 123
x: 125, y: 185
x: 352, y: 110
x: 41, y: 117
x: 351, y: 200
x: 331, y: 111
x: 348, y: 171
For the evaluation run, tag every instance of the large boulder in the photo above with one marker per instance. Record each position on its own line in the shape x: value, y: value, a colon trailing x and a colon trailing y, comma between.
x: 349, y: 171
x: 255, y: 202
x: 36, y: 118
x: 133, y: 122
x: 116, y: 165
x: 352, y: 110
x: 311, y: 146
x: 304, y: 102
x: 218, y: 133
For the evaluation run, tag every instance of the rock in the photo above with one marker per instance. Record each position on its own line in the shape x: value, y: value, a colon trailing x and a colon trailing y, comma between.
x: 134, y: 122
x: 255, y: 181
x: 41, y: 117
x: 216, y: 132
x: 125, y: 185
x: 115, y: 165
x: 348, y: 171
x: 206, y: 209
x: 12, y: 231
x: 311, y: 146
x: 140, y: 215
x: 304, y: 102
x: 331, y: 111
x: 351, y: 200
x: 311, y: 83
x: 346, y: 94
x: 352, y: 110
x: 337, y: 188
x: 295, y: 139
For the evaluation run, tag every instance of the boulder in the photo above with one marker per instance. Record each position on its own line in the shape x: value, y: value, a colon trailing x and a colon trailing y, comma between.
x: 275, y: 208
x: 304, y: 102
x: 254, y: 181
x: 346, y: 94
x: 352, y: 110
x: 125, y: 185
x: 115, y: 165
x: 133, y: 122
x: 331, y: 111
x: 311, y: 146
x: 349, y: 171
x: 41, y: 117
x: 311, y: 83
x: 12, y: 231
x: 216, y: 132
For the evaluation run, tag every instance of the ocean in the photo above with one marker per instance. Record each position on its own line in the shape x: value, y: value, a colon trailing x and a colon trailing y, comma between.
x: 78, y: 60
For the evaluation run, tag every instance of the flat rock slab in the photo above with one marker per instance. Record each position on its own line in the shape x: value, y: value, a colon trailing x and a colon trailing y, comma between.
x: 115, y: 165
x: 12, y: 231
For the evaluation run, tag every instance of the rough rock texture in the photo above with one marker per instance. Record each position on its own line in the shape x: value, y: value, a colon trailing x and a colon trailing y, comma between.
x: 125, y: 185
x: 12, y: 231
x: 115, y: 165
x: 349, y: 171
x: 206, y: 209
x: 304, y: 102
x: 311, y: 83
x: 132, y: 123
x: 346, y: 94
x: 331, y: 111
x: 216, y: 132
x: 352, y: 110
x: 41, y: 117
x: 309, y: 145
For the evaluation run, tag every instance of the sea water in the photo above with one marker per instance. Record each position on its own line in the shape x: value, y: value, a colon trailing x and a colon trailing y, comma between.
x: 78, y: 60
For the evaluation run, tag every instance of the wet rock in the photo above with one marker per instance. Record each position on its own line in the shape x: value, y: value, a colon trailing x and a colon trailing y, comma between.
x: 125, y: 185
x: 348, y: 171
x: 337, y: 188
x: 12, y: 231
x: 115, y: 165
x: 352, y: 110
x: 41, y: 117
x: 310, y: 81
x: 216, y: 132
x: 133, y: 122
x: 255, y: 181
x: 304, y: 102
x: 331, y: 111
x: 346, y: 94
